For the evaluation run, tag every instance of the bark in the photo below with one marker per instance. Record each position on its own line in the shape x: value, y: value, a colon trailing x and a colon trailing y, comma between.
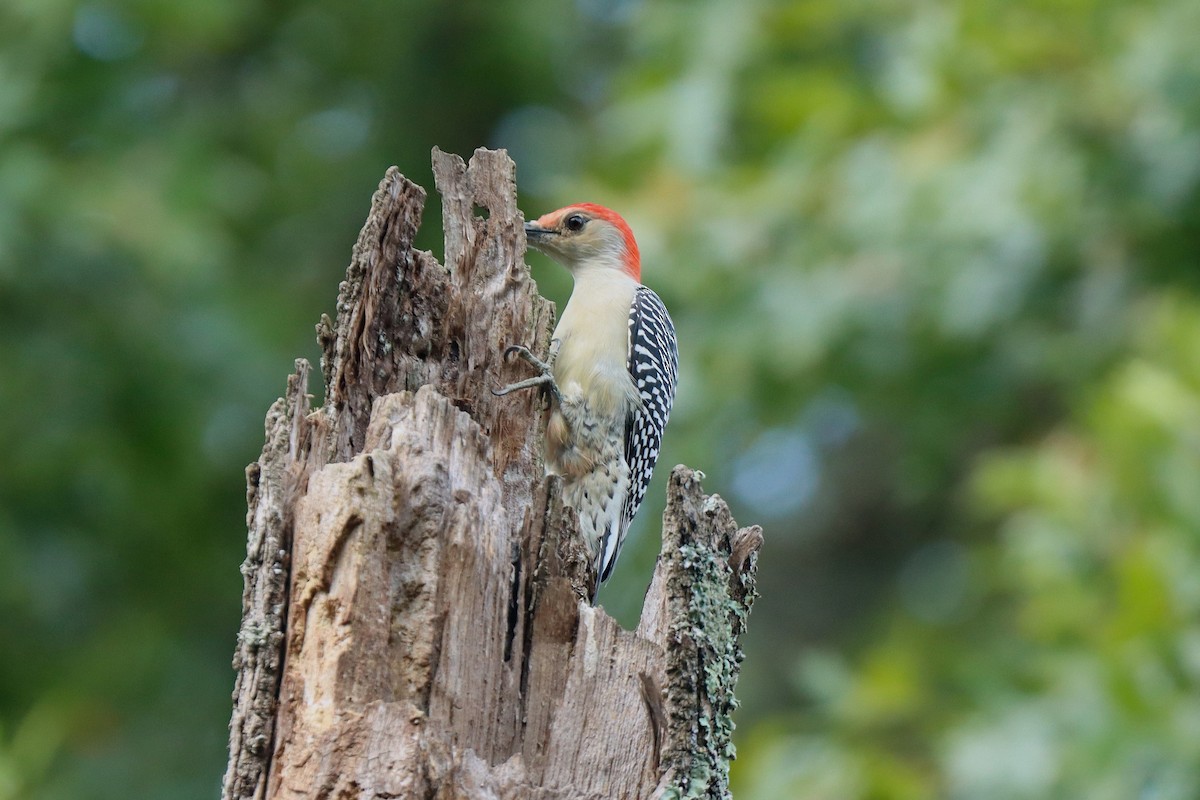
x: 412, y: 617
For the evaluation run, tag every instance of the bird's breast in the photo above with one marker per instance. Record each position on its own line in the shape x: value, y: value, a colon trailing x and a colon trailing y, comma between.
x: 592, y: 373
x: 593, y: 351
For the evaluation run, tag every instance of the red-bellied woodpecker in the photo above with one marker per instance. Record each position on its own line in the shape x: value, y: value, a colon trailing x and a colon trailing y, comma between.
x: 611, y: 375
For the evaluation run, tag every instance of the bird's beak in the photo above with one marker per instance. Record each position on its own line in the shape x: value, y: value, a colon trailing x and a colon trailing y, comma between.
x: 536, y: 234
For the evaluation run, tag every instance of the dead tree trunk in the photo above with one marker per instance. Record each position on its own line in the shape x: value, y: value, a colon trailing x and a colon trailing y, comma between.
x: 412, y: 624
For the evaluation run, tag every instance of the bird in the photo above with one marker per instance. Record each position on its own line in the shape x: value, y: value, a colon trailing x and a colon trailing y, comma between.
x: 610, y: 375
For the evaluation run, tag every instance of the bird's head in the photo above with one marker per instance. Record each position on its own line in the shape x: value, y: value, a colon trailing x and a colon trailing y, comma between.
x: 586, y: 236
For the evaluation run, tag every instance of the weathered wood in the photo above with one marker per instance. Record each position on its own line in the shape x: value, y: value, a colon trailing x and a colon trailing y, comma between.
x: 428, y: 639
x: 272, y: 488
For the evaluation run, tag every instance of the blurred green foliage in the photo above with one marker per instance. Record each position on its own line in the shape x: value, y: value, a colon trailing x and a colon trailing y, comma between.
x: 934, y: 268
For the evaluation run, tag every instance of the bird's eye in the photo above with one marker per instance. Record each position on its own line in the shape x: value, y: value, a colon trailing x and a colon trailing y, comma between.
x: 575, y: 222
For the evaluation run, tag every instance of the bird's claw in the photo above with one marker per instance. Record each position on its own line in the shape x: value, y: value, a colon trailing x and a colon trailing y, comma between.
x: 546, y: 378
x: 527, y: 356
x: 528, y: 383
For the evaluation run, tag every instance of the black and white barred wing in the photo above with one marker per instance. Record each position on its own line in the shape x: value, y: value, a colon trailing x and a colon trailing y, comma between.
x: 654, y: 366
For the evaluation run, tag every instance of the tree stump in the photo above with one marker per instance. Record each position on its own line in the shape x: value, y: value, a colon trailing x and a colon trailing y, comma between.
x: 412, y: 617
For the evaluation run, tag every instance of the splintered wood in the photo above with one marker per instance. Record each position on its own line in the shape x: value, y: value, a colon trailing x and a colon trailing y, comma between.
x: 412, y: 617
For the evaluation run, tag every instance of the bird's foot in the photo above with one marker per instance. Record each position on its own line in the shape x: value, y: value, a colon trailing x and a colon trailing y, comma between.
x: 525, y: 354
x: 546, y: 370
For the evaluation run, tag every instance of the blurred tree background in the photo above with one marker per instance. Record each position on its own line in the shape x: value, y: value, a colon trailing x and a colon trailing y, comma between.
x: 935, y: 271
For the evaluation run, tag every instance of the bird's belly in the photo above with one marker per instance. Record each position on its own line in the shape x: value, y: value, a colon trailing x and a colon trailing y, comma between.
x: 588, y: 428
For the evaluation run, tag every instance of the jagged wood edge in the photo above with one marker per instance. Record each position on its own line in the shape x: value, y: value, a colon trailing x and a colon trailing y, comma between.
x: 708, y: 566
x: 280, y: 476
x: 272, y: 483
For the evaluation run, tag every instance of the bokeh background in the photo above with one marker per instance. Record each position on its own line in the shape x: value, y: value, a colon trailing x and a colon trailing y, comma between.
x: 935, y: 271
